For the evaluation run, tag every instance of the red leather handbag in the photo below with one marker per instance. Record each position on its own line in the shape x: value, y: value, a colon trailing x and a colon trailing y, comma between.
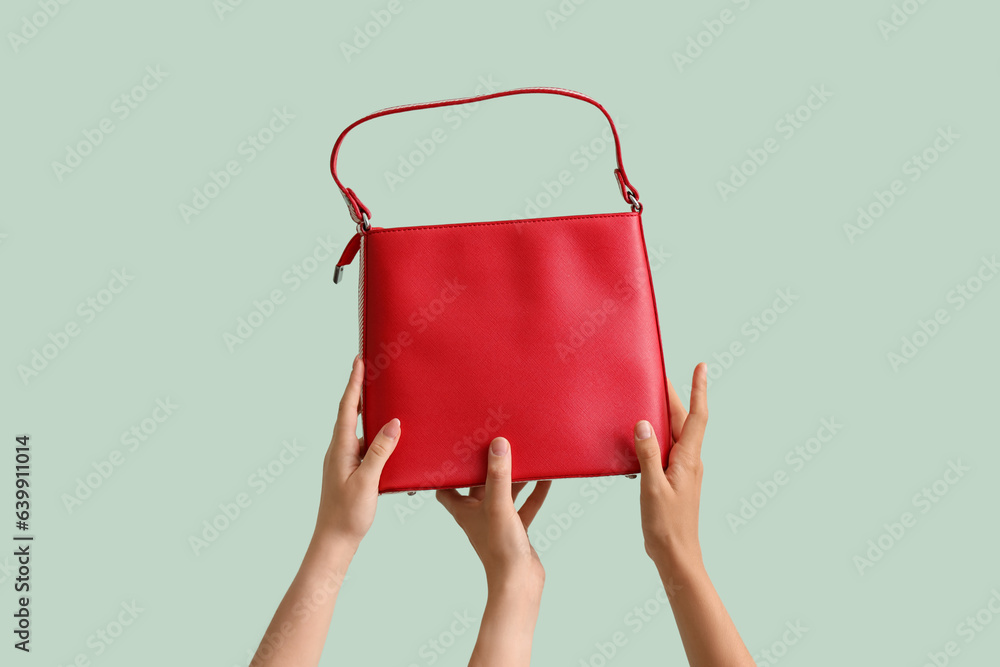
x: 543, y: 331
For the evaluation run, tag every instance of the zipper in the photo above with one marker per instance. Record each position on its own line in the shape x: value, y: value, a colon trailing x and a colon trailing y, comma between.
x: 361, y: 330
x: 354, y: 247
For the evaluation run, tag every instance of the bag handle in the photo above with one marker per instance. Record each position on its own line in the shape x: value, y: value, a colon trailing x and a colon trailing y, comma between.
x: 361, y: 214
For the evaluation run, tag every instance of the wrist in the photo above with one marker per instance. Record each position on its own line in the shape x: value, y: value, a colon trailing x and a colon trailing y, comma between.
x: 522, y: 582
x: 516, y: 602
x: 333, y: 546
x: 670, y: 557
x: 508, y: 623
x: 678, y: 571
x: 684, y: 580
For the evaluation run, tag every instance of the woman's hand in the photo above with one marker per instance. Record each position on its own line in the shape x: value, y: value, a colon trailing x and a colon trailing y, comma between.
x: 669, y: 499
x: 669, y: 502
x: 346, y: 510
x: 514, y: 575
x: 350, y: 484
x: 497, y: 531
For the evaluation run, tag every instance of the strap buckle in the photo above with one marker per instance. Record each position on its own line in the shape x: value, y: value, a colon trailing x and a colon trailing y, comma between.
x: 636, y: 205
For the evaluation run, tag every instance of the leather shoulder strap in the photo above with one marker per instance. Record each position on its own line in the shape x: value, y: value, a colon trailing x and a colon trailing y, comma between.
x: 361, y: 214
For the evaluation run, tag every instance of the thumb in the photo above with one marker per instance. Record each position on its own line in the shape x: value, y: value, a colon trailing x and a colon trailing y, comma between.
x: 647, y: 450
x: 498, y: 471
x: 379, y: 450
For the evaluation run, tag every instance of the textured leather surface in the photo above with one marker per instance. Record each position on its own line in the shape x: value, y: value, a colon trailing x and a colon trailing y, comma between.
x: 543, y: 331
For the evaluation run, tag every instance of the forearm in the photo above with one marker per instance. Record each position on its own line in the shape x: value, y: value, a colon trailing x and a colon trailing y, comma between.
x: 298, y: 630
x: 710, y: 638
x: 508, y: 625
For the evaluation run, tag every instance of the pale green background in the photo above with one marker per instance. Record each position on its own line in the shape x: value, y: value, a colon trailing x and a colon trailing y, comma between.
x: 681, y: 132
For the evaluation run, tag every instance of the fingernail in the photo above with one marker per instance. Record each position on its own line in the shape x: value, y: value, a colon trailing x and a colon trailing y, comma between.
x: 391, y: 429
x: 498, y: 447
x: 643, y: 430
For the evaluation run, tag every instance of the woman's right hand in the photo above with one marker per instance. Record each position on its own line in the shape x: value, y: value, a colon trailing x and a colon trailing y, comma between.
x: 669, y: 502
x: 669, y: 499
x: 498, y: 531
x: 514, y: 574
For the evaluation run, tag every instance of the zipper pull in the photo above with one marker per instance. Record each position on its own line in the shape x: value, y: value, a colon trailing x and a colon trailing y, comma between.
x: 349, y: 252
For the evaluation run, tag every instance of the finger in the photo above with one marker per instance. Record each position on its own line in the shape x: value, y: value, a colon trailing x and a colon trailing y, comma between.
x: 346, y: 430
x: 497, y: 496
x: 677, y: 412
x: 379, y: 450
x: 516, y: 489
x: 450, y: 498
x: 694, y: 426
x: 533, y: 502
x: 477, y: 492
x: 647, y: 450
